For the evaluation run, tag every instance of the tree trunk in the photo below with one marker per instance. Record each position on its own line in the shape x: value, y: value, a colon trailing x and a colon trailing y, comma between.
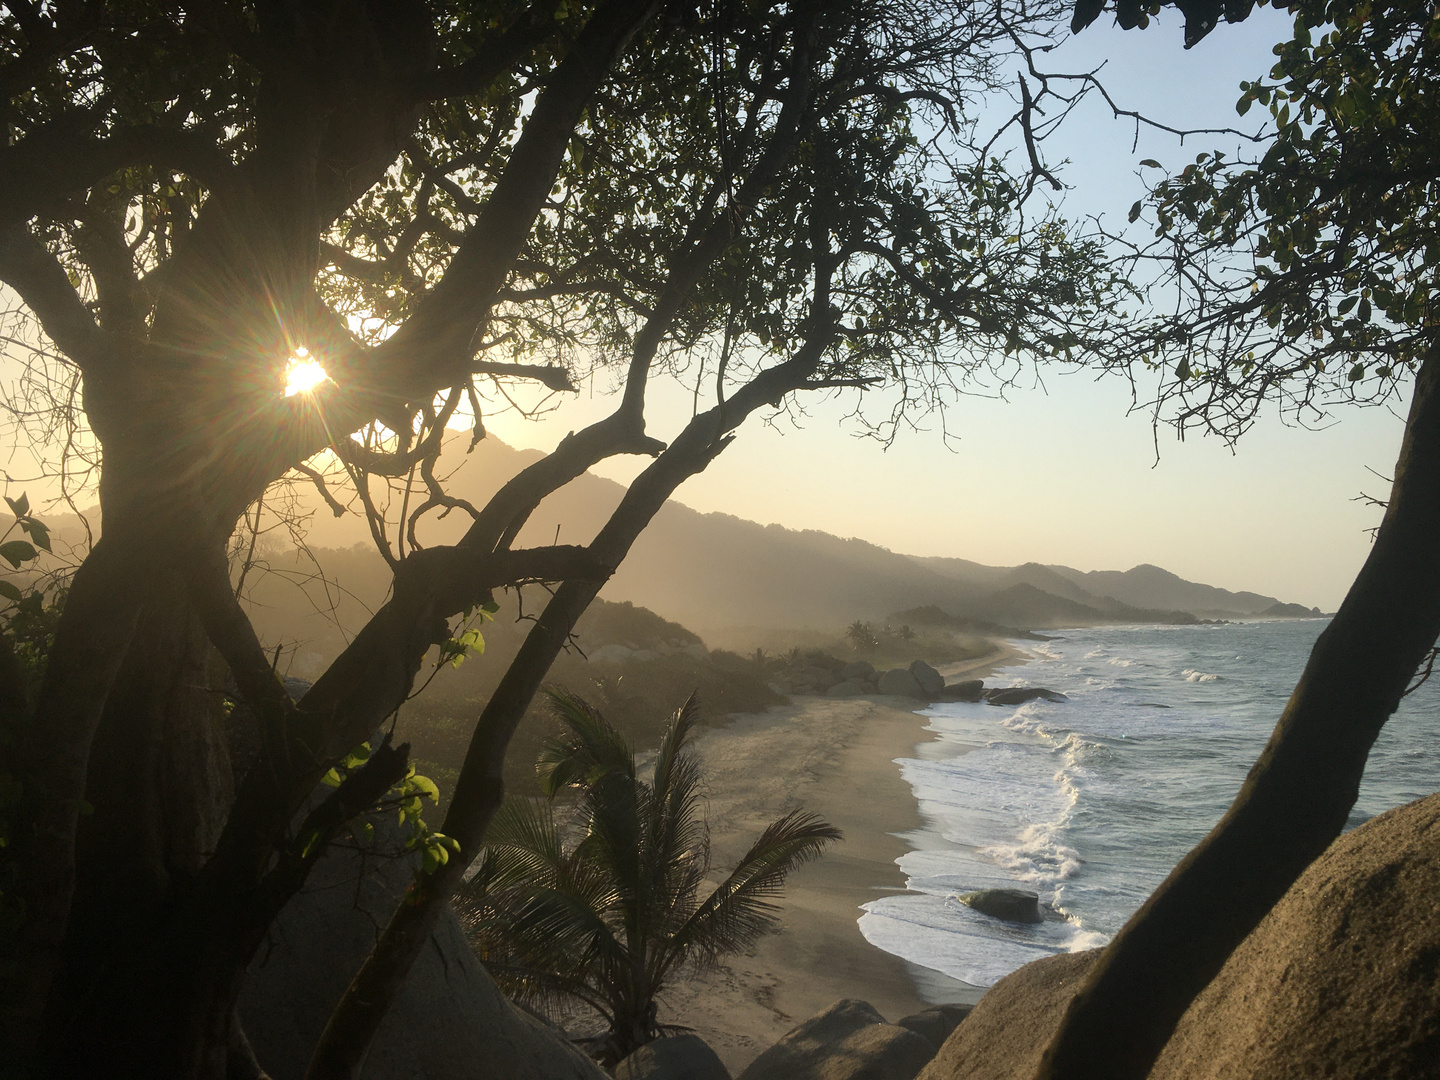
x: 1298, y: 795
x: 160, y: 786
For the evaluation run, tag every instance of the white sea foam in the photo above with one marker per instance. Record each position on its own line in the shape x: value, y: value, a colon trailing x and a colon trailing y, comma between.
x: 1090, y: 802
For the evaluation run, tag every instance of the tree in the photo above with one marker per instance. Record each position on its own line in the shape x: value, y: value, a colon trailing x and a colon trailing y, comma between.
x: 862, y: 636
x: 608, y: 921
x: 1307, y: 275
x: 438, y: 204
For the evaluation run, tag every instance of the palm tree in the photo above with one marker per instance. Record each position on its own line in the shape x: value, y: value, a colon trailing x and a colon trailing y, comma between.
x: 604, y: 908
x: 862, y: 635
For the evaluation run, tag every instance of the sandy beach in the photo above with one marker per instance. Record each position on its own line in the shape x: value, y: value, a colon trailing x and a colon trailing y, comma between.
x: 835, y: 757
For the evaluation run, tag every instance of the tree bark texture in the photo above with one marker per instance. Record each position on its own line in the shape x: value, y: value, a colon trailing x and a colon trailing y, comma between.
x: 1298, y: 794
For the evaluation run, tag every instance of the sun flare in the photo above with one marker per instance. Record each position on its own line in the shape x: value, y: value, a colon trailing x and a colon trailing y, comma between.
x: 303, y: 373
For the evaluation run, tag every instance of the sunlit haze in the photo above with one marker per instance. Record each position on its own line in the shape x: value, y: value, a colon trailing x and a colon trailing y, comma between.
x: 1056, y: 471
x: 303, y: 373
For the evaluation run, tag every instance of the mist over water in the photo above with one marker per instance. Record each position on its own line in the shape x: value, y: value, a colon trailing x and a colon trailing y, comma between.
x: 1090, y: 802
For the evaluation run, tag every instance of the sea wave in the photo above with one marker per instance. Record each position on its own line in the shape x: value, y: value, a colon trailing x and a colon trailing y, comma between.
x: 1089, y: 802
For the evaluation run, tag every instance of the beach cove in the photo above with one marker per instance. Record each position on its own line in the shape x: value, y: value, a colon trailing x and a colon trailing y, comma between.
x: 834, y: 757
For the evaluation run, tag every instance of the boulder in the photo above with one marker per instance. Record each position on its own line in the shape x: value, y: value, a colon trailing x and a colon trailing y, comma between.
x: 1003, y: 1038
x: 679, y: 1057
x: 848, y: 1041
x: 900, y: 682
x: 860, y: 669
x: 1018, y: 695
x: 1341, y: 979
x: 820, y: 677
x: 969, y: 690
x: 450, y: 1021
x: 848, y: 688
x: 932, y: 683
x: 1012, y: 905
x: 937, y: 1022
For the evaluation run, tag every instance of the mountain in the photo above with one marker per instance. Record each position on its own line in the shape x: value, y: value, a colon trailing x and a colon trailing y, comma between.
x: 1149, y: 586
x: 735, y: 582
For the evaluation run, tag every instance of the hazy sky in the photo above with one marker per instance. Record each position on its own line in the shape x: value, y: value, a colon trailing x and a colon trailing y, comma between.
x: 1062, y: 474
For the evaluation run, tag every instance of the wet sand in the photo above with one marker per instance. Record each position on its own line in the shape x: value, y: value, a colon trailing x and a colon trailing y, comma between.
x: 835, y: 757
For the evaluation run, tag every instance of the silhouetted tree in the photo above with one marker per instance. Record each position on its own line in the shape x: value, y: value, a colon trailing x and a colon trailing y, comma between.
x: 1307, y: 275
x: 433, y: 202
x: 609, y: 920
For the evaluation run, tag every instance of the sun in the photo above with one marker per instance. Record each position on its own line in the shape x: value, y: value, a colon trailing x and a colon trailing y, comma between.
x: 303, y: 373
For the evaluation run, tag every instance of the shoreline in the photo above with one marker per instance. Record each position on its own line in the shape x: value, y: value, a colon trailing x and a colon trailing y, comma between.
x: 834, y: 757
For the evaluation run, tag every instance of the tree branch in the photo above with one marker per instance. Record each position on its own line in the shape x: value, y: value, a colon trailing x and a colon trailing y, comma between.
x: 437, y: 339
x: 28, y: 268
x: 492, y: 58
x: 63, y: 157
x: 1295, y: 800
x: 479, y: 790
x: 553, y: 376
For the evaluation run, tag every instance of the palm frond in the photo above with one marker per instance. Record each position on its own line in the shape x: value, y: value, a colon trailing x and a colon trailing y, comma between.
x: 591, y: 749
x: 673, y: 743
x: 606, y: 920
x: 739, y: 910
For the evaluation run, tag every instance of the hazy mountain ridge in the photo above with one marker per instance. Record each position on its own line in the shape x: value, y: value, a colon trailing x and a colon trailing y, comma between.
x: 733, y: 580
x: 722, y: 575
x: 1152, y: 586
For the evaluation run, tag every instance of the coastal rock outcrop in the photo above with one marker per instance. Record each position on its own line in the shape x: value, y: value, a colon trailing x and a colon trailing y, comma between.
x: 932, y: 683
x: 900, y: 682
x: 1341, y: 979
x: 678, y: 1057
x: 1012, y: 905
x: 1003, y: 1038
x: 937, y: 1022
x: 449, y: 1017
x: 848, y: 1041
x: 1018, y: 695
x: 968, y: 690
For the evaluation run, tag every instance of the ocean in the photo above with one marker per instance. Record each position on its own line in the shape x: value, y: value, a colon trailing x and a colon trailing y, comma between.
x: 1091, y: 801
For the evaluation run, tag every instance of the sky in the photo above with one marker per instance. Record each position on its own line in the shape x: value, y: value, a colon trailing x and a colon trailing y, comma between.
x: 1061, y: 471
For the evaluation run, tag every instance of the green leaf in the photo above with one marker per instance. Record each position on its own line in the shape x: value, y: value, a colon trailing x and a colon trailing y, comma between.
x: 39, y: 533
x: 1149, y: 163
x: 425, y: 786
x: 10, y: 591
x: 1135, y: 210
x: 1357, y: 372
x: 16, y: 552
x: 19, y: 507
